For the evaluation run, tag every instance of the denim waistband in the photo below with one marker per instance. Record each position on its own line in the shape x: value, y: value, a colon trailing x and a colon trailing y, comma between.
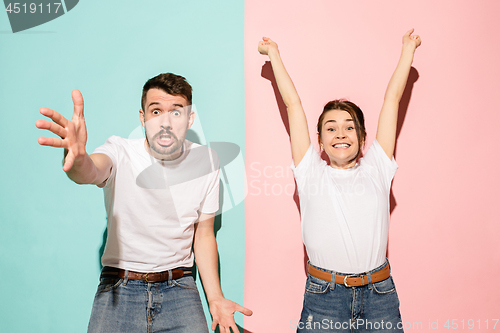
x: 360, y: 273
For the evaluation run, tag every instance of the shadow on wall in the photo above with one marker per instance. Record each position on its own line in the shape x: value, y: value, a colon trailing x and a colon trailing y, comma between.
x: 267, y: 73
x: 403, y: 109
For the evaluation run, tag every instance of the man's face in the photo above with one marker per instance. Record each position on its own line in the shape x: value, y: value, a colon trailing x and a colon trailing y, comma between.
x: 166, y: 119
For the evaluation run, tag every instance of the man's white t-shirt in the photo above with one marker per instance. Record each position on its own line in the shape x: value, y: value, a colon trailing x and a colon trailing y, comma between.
x: 152, y: 205
x: 345, y: 212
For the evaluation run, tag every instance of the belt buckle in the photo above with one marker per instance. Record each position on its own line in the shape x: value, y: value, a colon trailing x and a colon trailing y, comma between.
x: 348, y: 276
x: 146, y: 278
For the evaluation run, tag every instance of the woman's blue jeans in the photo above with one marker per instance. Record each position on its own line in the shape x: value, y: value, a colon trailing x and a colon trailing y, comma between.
x: 332, y: 307
x: 123, y: 305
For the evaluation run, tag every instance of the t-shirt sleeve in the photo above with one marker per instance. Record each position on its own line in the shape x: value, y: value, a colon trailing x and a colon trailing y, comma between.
x: 380, y: 164
x: 211, y: 202
x: 111, y: 148
x: 309, y: 163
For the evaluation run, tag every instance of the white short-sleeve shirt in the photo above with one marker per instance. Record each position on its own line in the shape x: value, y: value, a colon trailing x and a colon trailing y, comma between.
x: 345, y: 212
x: 152, y: 205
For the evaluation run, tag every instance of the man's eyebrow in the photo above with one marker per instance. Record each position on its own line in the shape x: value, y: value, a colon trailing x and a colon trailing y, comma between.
x: 158, y: 103
x: 153, y: 103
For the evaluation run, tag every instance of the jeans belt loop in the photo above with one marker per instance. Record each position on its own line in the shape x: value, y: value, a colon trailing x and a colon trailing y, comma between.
x: 169, y: 275
x: 369, y: 275
x: 125, y: 278
x: 332, y: 281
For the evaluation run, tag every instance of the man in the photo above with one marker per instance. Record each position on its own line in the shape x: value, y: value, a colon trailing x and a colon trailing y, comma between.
x: 161, y: 195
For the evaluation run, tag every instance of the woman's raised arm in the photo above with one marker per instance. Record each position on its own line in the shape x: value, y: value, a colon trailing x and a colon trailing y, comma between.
x: 388, y: 119
x: 299, y: 132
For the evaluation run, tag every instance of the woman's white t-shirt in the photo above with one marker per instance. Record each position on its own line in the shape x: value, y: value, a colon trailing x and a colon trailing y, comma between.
x: 345, y: 212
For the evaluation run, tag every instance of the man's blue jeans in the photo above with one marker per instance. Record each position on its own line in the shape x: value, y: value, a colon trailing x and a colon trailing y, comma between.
x: 123, y: 305
x: 332, y: 307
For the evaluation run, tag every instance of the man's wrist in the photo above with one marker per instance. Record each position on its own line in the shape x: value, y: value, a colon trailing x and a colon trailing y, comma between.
x: 215, y: 297
x: 77, y: 161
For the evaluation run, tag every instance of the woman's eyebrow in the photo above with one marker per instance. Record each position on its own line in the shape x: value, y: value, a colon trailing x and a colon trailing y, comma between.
x: 334, y: 121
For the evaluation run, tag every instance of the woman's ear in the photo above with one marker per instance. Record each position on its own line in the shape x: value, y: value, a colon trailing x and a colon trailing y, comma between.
x: 320, y: 143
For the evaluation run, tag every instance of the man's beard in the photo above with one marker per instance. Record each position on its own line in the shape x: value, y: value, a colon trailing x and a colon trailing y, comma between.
x: 160, y: 150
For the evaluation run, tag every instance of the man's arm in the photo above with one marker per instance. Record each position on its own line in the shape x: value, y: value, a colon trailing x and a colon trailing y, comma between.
x: 206, y: 255
x: 80, y: 167
x: 388, y: 119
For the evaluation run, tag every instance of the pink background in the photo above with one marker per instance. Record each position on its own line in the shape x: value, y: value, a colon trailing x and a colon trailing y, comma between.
x: 444, y: 235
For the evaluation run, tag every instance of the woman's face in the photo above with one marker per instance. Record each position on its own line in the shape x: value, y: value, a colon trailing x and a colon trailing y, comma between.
x: 339, y: 139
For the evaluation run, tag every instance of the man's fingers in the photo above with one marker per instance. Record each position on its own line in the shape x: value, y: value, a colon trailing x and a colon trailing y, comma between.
x: 245, y: 311
x: 227, y: 329
x: 51, y: 142
x: 409, y: 32
x: 55, y: 116
x: 78, y: 103
x: 53, y: 127
x: 214, y: 325
x: 68, y: 162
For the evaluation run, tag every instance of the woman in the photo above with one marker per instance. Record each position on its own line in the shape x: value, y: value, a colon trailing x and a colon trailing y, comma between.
x: 345, y: 205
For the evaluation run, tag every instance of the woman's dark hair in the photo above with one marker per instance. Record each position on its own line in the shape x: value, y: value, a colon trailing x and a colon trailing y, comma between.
x: 356, y: 114
x: 170, y: 83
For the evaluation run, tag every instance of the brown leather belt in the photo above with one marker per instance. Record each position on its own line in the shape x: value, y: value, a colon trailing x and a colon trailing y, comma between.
x: 148, y: 277
x: 353, y: 280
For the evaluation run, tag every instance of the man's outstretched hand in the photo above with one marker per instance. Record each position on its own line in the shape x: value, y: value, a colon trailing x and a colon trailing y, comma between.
x: 72, y: 133
x: 222, y: 311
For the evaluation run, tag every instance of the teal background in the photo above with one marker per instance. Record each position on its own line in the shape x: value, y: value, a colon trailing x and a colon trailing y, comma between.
x: 52, y: 229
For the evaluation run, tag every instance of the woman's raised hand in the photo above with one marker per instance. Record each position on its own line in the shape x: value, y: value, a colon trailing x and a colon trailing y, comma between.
x: 265, y: 45
x: 410, y: 40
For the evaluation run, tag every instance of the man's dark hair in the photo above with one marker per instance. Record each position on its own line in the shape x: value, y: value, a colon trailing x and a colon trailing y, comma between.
x: 170, y: 83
